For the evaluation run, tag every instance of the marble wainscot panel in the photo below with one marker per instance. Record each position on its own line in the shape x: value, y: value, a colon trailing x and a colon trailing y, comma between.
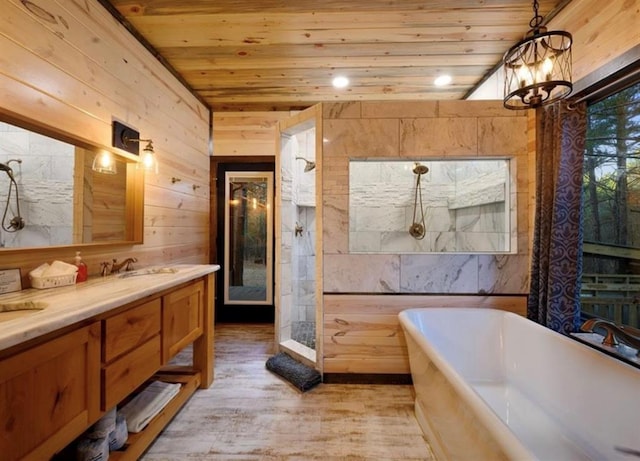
x: 439, y: 274
x: 370, y: 273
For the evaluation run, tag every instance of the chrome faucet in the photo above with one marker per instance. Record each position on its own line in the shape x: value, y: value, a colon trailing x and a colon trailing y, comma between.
x: 614, y: 334
x: 116, y: 266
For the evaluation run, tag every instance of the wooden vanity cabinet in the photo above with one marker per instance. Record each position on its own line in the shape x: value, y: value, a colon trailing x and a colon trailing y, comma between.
x: 53, y: 390
x: 49, y: 394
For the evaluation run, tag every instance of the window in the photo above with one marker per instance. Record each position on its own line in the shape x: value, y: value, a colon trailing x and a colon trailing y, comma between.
x: 611, y: 209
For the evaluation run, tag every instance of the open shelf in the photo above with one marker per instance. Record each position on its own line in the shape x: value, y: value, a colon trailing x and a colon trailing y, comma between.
x: 139, y: 442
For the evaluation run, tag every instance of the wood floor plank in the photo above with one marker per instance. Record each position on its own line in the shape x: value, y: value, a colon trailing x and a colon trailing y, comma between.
x: 250, y: 414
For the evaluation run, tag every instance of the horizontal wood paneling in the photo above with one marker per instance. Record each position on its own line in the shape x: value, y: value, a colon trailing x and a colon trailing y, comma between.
x: 246, y: 133
x: 362, y: 333
x: 74, y: 69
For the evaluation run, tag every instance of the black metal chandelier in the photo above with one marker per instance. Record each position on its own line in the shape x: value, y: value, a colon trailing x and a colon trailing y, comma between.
x: 537, y: 69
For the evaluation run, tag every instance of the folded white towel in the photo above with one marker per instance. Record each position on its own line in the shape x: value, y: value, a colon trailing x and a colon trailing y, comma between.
x: 148, y: 403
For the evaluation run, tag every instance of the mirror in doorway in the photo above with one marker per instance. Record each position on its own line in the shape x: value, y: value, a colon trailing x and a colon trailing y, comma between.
x: 248, y: 270
x: 432, y: 205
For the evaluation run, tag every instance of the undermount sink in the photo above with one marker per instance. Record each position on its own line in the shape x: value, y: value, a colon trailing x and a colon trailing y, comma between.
x: 149, y: 271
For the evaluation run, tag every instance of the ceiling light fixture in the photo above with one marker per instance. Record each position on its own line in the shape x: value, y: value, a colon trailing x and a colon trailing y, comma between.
x: 340, y: 82
x: 538, y: 68
x: 442, y: 80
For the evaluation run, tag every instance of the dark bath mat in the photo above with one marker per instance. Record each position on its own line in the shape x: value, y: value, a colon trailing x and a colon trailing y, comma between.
x: 298, y: 374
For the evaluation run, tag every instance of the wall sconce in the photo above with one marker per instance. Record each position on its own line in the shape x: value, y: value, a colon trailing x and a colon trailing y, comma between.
x: 128, y: 139
x: 104, y: 162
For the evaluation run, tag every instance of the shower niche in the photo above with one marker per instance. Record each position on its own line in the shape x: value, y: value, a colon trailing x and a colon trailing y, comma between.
x: 432, y: 205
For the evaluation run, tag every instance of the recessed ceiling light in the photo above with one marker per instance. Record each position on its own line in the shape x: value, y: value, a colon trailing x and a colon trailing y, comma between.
x: 442, y: 80
x: 340, y: 82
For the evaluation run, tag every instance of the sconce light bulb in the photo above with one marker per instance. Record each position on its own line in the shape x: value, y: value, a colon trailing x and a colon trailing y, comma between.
x: 105, y: 160
x: 104, y: 163
x: 148, y: 159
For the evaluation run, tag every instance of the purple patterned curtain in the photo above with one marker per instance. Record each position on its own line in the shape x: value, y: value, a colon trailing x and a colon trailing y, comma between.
x: 556, y: 266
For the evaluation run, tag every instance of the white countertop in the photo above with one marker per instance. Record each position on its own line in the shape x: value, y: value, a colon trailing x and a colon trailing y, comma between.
x: 74, y: 303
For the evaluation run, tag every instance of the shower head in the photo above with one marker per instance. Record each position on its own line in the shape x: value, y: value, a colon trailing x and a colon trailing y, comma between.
x: 420, y: 169
x: 309, y: 164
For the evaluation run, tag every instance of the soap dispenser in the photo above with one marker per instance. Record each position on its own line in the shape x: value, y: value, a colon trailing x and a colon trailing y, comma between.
x: 82, y: 268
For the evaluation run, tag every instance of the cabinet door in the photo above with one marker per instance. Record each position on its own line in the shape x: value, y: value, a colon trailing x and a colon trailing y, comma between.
x: 182, y: 318
x: 49, y: 394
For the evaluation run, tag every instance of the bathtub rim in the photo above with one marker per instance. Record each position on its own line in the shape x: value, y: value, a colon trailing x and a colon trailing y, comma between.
x: 503, y: 436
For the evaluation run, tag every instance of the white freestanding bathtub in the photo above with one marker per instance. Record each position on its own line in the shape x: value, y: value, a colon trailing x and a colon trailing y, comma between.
x: 492, y: 385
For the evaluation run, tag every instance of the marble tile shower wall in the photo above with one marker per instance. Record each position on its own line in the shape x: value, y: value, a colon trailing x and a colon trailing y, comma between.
x: 439, y: 129
x: 45, y: 185
x: 463, y: 207
x: 297, y: 205
x: 288, y: 215
x: 304, y: 270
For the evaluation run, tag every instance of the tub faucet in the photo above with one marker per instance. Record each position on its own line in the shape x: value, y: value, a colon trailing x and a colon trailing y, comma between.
x: 116, y: 266
x: 614, y: 334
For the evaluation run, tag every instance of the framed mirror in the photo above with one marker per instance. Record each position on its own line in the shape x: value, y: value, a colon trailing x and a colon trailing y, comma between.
x: 248, y: 217
x: 50, y: 194
x: 432, y: 206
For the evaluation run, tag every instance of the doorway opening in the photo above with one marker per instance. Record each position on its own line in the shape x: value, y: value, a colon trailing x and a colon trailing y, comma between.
x: 244, y: 242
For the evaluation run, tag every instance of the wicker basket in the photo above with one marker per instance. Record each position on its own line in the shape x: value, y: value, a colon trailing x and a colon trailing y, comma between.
x: 53, y: 281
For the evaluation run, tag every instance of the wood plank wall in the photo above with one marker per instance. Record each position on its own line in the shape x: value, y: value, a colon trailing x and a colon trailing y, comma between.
x: 601, y: 31
x: 246, y: 133
x: 73, y: 68
x: 362, y: 334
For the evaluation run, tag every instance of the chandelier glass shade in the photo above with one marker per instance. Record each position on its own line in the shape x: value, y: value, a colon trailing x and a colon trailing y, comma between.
x: 538, y: 68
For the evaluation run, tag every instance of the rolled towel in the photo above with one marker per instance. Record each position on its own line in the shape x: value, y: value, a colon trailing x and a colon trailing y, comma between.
x: 104, y: 426
x: 92, y: 449
x: 118, y: 437
x: 148, y: 403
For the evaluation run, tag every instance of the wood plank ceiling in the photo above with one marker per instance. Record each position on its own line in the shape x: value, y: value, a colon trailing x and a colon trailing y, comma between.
x: 281, y: 55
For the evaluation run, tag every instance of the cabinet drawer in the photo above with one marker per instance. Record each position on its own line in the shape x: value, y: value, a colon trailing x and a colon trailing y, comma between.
x: 126, y: 331
x: 123, y: 376
x: 182, y: 318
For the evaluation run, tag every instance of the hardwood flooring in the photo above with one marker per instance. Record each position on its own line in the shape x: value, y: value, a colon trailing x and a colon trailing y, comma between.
x: 250, y: 414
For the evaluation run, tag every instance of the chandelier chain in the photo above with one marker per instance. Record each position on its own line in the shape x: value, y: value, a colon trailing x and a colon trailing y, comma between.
x: 536, y: 21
